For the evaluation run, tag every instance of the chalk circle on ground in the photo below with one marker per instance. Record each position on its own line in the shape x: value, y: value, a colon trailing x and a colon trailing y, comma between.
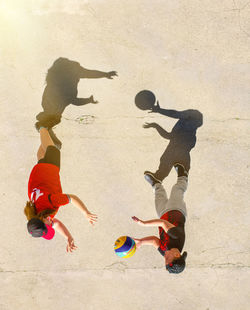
x: 145, y: 100
x: 85, y: 119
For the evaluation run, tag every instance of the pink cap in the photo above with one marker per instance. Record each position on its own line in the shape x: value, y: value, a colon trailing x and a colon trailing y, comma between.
x: 50, y: 233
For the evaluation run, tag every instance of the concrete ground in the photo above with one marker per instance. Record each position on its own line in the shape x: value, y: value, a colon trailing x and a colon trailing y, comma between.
x: 191, y: 54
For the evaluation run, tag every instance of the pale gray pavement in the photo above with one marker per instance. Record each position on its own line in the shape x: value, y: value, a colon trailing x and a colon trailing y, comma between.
x: 192, y: 54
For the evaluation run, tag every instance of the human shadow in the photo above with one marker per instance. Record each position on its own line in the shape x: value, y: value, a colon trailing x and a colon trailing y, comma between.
x: 61, y: 90
x: 182, y: 138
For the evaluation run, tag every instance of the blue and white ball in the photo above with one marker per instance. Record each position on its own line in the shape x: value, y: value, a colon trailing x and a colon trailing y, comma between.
x: 125, y: 247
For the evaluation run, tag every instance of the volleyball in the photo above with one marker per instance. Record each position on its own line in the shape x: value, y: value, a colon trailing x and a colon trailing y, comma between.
x: 125, y: 247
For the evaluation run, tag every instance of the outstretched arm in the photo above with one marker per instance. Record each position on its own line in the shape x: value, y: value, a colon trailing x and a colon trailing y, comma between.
x: 171, y: 113
x: 76, y: 201
x: 191, y: 115
x: 162, y: 132
x: 166, y: 225
x: 151, y: 240
x: 62, y: 229
x: 95, y: 74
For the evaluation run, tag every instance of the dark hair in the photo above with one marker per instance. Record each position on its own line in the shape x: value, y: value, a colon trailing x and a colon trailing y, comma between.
x: 36, y: 227
x: 178, y: 265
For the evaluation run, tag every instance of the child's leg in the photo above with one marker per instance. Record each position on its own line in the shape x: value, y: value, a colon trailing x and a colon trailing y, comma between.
x: 56, y: 141
x: 40, y: 153
x: 161, y: 199
x: 45, y: 139
x: 176, y: 199
x: 49, y: 152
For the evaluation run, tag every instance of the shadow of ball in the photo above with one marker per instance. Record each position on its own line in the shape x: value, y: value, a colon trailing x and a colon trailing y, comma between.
x: 145, y: 100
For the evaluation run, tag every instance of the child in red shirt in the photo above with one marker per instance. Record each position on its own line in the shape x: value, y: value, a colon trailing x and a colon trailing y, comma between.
x: 46, y: 196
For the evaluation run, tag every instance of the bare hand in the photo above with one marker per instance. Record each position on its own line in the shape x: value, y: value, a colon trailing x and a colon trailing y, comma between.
x: 71, y: 245
x: 91, y: 100
x: 155, y: 107
x: 149, y: 125
x: 138, y: 243
x: 109, y: 75
x: 137, y: 220
x: 92, y: 218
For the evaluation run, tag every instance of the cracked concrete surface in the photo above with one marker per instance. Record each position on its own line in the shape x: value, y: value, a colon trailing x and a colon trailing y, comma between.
x: 191, y: 54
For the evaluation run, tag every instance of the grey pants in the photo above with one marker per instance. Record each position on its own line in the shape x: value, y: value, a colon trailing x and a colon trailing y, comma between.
x: 176, y: 199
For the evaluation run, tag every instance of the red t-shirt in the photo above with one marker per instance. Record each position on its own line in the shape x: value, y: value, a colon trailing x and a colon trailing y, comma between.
x: 166, y: 241
x: 44, y: 188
